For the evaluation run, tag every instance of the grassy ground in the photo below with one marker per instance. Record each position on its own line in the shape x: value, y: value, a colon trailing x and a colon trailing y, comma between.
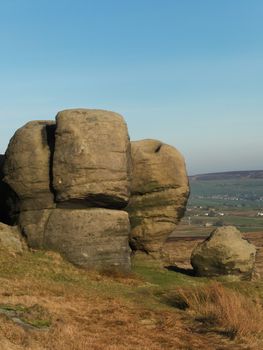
x: 46, y: 303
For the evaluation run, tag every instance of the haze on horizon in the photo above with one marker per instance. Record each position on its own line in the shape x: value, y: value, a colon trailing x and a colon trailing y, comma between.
x: 188, y: 72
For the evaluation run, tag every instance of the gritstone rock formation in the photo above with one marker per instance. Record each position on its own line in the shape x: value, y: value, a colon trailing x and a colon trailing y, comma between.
x: 27, y: 165
x: 159, y: 193
x: 224, y: 252
x: 100, y: 237
x: 63, y: 174
x: 70, y: 181
x: 92, y: 159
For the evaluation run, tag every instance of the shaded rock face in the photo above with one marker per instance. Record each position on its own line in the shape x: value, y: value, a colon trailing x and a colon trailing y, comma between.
x: 159, y: 191
x: 224, y: 252
x: 92, y: 159
x: 33, y: 224
x: 9, y: 203
x: 80, y: 164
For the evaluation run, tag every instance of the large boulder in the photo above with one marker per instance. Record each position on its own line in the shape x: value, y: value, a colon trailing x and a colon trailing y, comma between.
x: 91, y: 238
x: 11, y: 240
x: 81, y: 162
x: 160, y: 190
x: 27, y: 167
x: 92, y: 159
x: 224, y: 252
x: 72, y: 179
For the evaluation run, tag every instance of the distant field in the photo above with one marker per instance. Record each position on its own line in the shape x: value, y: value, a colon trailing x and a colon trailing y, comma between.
x: 247, y: 174
x: 222, y: 199
x: 233, y: 193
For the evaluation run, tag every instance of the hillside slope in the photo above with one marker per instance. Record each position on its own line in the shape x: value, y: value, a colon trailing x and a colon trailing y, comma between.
x: 247, y: 174
x: 46, y: 303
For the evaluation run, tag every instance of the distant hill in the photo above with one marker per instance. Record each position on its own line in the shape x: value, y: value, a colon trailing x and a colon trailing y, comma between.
x: 230, y: 175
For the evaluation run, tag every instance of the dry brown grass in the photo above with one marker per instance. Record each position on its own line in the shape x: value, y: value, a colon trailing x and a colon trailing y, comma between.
x: 222, y: 311
x: 80, y: 323
x: 89, y: 311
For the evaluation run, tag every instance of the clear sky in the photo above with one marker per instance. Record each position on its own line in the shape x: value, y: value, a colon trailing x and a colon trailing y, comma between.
x: 187, y: 72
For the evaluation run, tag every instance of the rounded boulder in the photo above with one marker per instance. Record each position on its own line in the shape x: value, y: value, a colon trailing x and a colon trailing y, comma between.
x: 226, y: 253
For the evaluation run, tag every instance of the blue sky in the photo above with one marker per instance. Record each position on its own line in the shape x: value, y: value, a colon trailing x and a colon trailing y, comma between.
x: 188, y: 72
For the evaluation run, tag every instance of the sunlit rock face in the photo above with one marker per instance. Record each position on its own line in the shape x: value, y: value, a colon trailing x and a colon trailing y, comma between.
x: 27, y: 165
x: 92, y: 158
x: 159, y: 193
x: 226, y: 253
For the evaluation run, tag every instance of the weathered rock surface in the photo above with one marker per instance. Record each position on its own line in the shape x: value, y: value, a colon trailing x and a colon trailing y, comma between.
x: 11, y: 239
x: 27, y: 167
x: 72, y: 179
x: 160, y: 191
x: 33, y: 225
x: 91, y: 159
x: 81, y: 162
x: 224, y: 252
x: 91, y: 238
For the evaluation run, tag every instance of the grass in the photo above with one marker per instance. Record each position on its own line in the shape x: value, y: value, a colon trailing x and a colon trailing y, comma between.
x: 86, y: 310
x: 152, y: 273
x: 222, y: 310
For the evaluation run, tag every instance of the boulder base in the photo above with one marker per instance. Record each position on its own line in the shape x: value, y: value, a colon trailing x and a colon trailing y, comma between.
x: 91, y: 238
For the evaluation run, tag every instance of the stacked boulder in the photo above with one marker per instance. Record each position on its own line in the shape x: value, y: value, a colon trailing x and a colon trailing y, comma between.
x: 72, y: 179
x: 159, y: 193
x: 73, y: 188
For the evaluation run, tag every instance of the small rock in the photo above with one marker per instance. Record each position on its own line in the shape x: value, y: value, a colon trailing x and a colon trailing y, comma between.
x: 11, y: 239
x: 224, y: 252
